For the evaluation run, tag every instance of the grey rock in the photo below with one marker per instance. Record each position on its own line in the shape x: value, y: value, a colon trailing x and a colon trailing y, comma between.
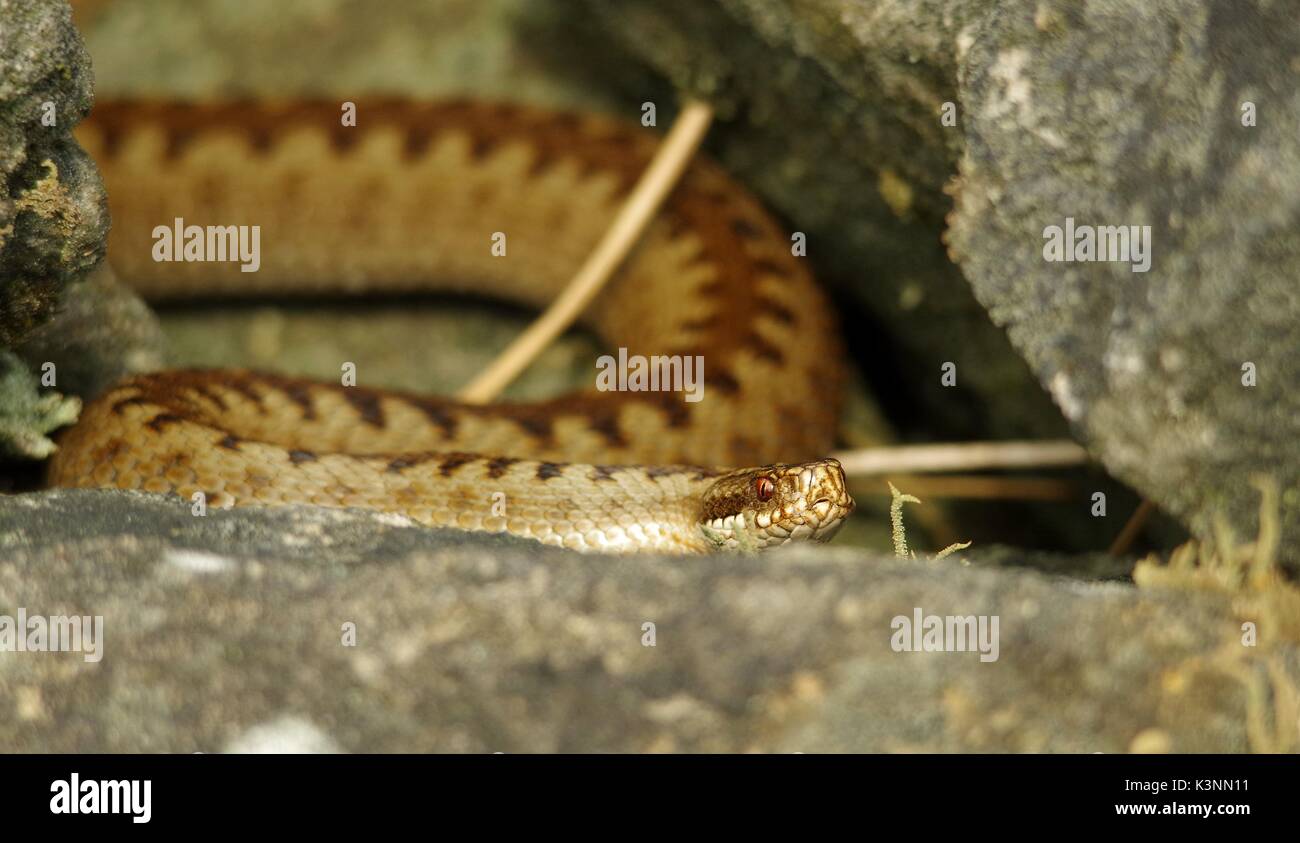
x: 1132, y: 115
x: 225, y: 632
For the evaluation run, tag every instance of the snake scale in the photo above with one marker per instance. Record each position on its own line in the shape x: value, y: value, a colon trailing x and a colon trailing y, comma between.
x: 407, y: 200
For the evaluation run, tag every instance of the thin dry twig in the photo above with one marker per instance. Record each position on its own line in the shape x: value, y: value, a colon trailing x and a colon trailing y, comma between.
x: 658, y: 180
x: 1131, y: 528
x: 977, y: 487
x: 961, y: 456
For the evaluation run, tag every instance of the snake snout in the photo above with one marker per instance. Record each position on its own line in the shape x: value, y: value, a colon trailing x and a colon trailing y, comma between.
x: 828, y: 489
x: 831, y: 502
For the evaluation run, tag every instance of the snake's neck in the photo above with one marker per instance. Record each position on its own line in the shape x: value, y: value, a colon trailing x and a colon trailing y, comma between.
x: 634, y: 508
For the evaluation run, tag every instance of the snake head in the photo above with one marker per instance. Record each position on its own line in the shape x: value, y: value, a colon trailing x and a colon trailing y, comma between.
x: 757, y: 508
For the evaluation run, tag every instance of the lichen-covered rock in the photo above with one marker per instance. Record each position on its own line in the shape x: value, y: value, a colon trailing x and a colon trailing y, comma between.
x: 314, y: 630
x: 1179, y: 116
x: 53, y: 216
x: 53, y: 212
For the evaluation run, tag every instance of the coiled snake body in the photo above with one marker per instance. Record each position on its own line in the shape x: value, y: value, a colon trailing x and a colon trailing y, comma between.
x: 410, y: 199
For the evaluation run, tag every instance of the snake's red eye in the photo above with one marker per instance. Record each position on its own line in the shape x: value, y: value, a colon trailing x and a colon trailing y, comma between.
x: 766, y: 487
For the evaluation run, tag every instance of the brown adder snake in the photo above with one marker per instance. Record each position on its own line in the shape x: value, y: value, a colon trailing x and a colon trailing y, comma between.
x: 409, y: 199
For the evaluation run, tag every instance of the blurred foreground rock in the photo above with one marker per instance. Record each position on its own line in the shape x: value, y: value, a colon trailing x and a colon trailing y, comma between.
x: 225, y: 632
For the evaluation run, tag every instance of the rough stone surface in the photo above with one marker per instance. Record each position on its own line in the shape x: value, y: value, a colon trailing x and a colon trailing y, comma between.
x: 1132, y: 115
x: 225, y: 632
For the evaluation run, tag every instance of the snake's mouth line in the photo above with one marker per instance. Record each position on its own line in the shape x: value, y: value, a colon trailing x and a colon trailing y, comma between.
x: 733, y: 534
